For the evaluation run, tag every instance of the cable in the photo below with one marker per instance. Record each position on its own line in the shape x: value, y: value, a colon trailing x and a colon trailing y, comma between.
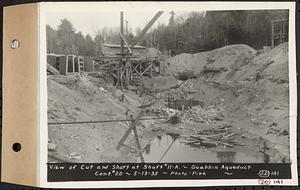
x: 103, y: 121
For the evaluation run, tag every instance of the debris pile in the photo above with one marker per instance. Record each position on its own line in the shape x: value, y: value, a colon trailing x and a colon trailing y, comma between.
x: 209, y: 114
x: 198, y: 114
x: 218, y: 136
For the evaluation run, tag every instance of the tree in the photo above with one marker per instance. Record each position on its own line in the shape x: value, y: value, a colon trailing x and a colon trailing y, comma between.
x: 203, y: 31
x: 99, y: 40
x: 90, y: 46
x: 172, y: 20
x: 51, y: 36
x: 66, y: 37
x: 80, y: 44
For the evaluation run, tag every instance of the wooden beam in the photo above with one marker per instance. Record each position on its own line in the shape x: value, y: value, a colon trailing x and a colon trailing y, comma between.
x: 133, y: 124
x: 121, y: 78
x: 126, y: 43
x: 135, y: 69
x: 122, y: 32
x: 147, y: 27
x: 138, y: 144
x: 146, y: 69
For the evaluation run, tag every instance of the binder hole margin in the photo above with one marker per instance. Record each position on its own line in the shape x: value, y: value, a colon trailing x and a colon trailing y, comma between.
x: 15, y: 44
x: 16, y: 147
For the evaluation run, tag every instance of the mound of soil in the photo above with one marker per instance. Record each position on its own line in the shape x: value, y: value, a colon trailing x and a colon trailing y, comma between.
x: 253, y: 87
x: 219, y: 62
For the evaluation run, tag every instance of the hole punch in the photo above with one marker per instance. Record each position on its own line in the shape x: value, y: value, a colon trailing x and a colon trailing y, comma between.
x: 15, y: 44
x: 16, y: 147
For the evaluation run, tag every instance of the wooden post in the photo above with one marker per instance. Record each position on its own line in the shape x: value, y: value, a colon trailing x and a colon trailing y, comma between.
x: 122, y: 97
x: 73, y: 63
x: 140, y: 66
x: 67, y: 64
x: 121, y: 78
x: 118, y: 75
x: 130, y: 71
x: 266, y: 156
x: 138, y: 144
x: 122, y: 32
x: 151, y: 63
x: 133, y: 124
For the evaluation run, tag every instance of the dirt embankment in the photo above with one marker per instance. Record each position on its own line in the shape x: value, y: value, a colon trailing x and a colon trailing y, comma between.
x: 221, y: 60
x: 253, y: 87
x: 235, y: 87
x: 88, y: 98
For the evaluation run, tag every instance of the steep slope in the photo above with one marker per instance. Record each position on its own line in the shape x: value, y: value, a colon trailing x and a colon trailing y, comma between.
x: 86, y: 98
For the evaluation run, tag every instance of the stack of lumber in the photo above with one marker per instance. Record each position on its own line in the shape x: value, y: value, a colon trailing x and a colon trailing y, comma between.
x: 51, y: 70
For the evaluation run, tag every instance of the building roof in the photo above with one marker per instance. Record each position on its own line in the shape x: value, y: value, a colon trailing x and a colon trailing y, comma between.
x: 60, y: 55
x: 119, y: 46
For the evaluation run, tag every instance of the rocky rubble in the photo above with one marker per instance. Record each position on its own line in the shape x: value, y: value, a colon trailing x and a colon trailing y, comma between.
x: 198, y: 114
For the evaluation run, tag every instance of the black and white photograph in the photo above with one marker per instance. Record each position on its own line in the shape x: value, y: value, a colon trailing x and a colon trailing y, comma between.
x: 176, y: 86
x: 150, y: 94
x: 168, y: 86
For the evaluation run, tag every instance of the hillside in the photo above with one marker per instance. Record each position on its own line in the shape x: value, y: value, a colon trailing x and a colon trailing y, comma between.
x: 234, y: 88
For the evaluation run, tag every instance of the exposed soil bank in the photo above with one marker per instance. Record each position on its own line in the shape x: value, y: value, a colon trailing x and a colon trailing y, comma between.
x: 239, y: 91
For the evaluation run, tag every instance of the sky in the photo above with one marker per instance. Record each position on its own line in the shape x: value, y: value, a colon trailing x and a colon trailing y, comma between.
x: 91, y: 22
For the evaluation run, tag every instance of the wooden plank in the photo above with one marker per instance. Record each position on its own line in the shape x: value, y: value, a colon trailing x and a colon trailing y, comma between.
x: 212, y: 140
x: 147, y: 27
x: 126, y: 43
x: 146, y: 69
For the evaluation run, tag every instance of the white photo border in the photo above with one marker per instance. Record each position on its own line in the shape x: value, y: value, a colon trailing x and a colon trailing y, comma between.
x: 52, y: 7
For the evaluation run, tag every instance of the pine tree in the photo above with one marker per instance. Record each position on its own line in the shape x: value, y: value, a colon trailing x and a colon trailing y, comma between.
x: 66, y: 37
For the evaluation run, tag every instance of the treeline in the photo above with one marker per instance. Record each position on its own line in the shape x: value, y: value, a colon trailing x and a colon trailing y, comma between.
x: 198, y: 32
x: 190, y: 33
x: 66, y: 40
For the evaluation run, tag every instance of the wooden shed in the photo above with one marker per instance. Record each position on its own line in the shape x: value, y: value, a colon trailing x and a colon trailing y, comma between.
x: 54, y: 60
x: 66, y: 64
x: 71, y: 64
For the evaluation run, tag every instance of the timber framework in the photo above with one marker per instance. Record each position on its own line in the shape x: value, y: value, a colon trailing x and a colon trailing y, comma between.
x: 126, y: 62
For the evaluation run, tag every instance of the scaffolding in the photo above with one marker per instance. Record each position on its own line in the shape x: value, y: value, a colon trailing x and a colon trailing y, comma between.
x: 279, y: 31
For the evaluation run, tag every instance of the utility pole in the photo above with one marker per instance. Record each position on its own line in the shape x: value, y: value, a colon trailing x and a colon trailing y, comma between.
x: 174, y: 27
x: 122, y: 32
x: 171, y: 20
x: 126, y: 21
